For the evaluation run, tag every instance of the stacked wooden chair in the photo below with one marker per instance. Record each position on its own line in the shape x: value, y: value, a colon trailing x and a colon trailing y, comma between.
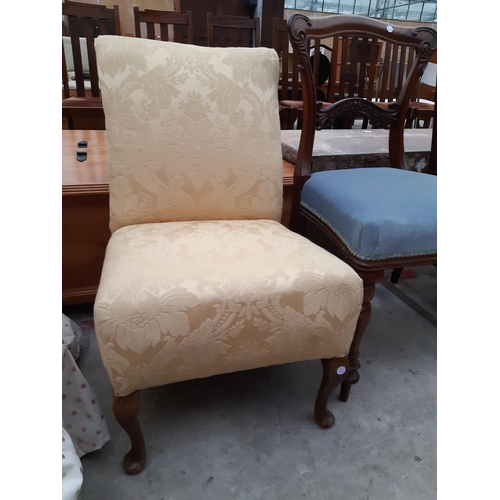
x: 232, y: 31
x: 82, y: 104
x: 161, y: 25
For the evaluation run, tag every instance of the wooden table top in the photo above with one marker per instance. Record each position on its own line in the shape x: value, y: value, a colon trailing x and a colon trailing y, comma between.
x: 91, y: 175
x: 335, y: 143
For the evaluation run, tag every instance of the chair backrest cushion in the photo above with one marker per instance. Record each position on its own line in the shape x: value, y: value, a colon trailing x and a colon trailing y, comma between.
x: 193, y: 132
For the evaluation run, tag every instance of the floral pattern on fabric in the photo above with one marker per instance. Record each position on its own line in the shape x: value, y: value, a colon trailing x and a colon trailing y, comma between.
x: 185, y: 300
x: 199, y: 278
x: 193, y: 132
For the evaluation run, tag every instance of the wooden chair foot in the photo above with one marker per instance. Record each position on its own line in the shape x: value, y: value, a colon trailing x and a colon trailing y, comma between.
x: 363, y: 320
x: 133, y: 464
x: 126, y: 410
x: 335, y: 371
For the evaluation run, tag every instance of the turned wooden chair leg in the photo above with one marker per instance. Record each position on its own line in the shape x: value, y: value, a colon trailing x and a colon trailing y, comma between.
x: 335, y: 370
x: 363, y: 320
x: 396, y: 273
x: 126, y: 410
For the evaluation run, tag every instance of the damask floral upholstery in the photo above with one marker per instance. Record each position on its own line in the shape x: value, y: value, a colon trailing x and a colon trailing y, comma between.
x: 199, y: 277
x: 191, y: 131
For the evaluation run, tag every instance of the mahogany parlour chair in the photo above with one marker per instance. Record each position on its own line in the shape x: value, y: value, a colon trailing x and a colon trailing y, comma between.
x: 372, y: 218
x: 164, y: 25
x: 81, y: 102
x: 199, y: 276
x: 233, y: 31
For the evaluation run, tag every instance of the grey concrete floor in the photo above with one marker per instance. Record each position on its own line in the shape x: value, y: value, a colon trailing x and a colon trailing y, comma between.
x: 251, y: 435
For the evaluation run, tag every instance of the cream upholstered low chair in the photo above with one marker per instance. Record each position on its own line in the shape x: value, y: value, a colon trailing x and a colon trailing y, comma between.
x: 200, y: 278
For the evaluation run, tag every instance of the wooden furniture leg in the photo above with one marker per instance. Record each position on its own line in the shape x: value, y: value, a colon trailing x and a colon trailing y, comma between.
x: 396, y: 273
x: 126, y: 410
x: 335, y: 370
x: 364, y: 318
x: 284, y: 114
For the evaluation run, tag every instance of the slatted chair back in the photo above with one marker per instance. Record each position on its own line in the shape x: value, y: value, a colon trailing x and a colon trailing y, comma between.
x: 233, y: 31
x: 289, y: 86
x: 397, y: 61
x: 354, y: 66
x: 289, y: 74
x: 167, y: 26
x: 87, y: 21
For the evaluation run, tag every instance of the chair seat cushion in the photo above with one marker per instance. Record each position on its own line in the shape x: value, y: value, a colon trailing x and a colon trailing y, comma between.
x: 184, y: 300
x: 378, y: 213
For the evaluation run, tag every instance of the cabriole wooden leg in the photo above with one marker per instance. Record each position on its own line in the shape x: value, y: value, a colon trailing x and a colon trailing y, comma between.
x: 335, y: 371
x: 363, y: 320
x: 126, y: 410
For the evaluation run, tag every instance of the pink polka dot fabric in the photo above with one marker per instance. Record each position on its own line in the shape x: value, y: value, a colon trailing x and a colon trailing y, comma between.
x: 71, y: 335
x: 83, y: 423
x: 72, y: 471
x: 81, y: 413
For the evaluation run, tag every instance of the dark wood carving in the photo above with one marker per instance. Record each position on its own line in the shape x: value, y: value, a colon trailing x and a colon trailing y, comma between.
x: 353, y: 107
x: 410, y: 47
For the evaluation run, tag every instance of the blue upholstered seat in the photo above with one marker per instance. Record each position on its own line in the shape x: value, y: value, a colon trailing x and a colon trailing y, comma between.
x: 378, y: 213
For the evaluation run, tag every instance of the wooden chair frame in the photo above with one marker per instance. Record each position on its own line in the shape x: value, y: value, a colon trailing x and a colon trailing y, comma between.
x: 352, y: 70
x: 165, y: 19
x: 303, y: 32
x: 289, y: 88
x: 237, y: 25
x: 87, y: 20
